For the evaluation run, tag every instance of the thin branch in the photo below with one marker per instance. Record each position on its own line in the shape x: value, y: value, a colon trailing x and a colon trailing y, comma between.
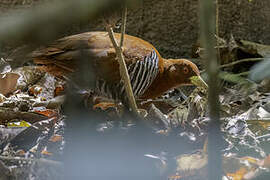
x: 123, y: 26
x: 240, y: 61
x: 123, y: 71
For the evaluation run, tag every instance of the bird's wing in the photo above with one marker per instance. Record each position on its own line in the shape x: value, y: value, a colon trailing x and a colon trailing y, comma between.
x: 64, y: 55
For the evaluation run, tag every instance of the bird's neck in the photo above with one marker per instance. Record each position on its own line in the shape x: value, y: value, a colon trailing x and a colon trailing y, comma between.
x: 162, y: 83
x: 167, y: 63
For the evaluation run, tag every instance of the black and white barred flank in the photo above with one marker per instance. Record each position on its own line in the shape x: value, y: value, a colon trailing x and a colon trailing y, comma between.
x: 141, y: 73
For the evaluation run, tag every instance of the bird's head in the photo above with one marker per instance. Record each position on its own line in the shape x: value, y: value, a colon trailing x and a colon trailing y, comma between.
x: 182, y: 71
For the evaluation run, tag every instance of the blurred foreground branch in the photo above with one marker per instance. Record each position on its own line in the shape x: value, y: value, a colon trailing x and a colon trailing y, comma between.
x: 207, y: 24
x: 47, y: 21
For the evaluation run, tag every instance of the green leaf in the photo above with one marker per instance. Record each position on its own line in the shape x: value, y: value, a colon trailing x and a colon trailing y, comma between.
x: 19, y: 124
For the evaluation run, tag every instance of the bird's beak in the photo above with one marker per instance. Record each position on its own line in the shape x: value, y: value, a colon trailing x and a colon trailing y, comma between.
x: 198, y: 81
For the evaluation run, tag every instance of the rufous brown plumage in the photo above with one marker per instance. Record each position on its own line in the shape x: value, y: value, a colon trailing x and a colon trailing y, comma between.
x: 141, y: 57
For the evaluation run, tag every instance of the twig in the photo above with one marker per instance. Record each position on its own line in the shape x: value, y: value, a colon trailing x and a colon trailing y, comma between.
x: 123, y: 71
x: 123, y: 26
x: 240, y: 61
x: 122, y: 65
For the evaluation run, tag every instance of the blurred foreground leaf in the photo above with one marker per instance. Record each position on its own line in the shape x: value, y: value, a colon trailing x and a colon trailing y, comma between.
x: 261, y: 71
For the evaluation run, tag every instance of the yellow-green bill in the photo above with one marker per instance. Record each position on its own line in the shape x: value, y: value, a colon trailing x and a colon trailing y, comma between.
x: 198, y: 81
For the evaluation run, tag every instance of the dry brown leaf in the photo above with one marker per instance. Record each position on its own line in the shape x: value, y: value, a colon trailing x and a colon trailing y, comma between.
x: 56, y: 138
x: 174, y: 177
x: 239, y: 174
x: 47, y: 112
x: 20, y: 152
x: 8, y: 82
x: 44, y: 152
x: 35, y: 90
x: 58, y: 90
x: 104, y: 105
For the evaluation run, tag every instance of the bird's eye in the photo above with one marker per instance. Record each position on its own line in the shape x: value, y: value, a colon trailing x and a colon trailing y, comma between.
x: 185, y: 70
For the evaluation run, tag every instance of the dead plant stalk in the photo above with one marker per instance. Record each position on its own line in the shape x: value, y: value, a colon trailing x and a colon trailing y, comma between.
x: 122, y: 65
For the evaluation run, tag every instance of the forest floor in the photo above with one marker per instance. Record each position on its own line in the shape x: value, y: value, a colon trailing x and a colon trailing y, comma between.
x: 32, y: 138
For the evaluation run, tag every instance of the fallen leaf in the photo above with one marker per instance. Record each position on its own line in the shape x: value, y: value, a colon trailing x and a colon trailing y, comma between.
x: 18, y: 124
x: 104, y: 106
x: 20, y: 152
x: 44, y: 152
x: 58, y: 90
x: 56, y: 138
x: 35, y: 90
x: 47, y: 112
x: 174, y: 177
x: 239, y: 174
x: 8, y: 82
x: 2, y: 98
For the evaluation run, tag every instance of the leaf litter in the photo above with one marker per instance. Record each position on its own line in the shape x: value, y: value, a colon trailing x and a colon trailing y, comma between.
x: 32, y: 123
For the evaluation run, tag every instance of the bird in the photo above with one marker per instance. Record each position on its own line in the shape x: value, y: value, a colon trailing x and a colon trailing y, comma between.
x: 150, y: 74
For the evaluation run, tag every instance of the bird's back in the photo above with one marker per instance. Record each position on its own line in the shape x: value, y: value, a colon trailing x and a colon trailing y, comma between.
x: 63, y: 55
